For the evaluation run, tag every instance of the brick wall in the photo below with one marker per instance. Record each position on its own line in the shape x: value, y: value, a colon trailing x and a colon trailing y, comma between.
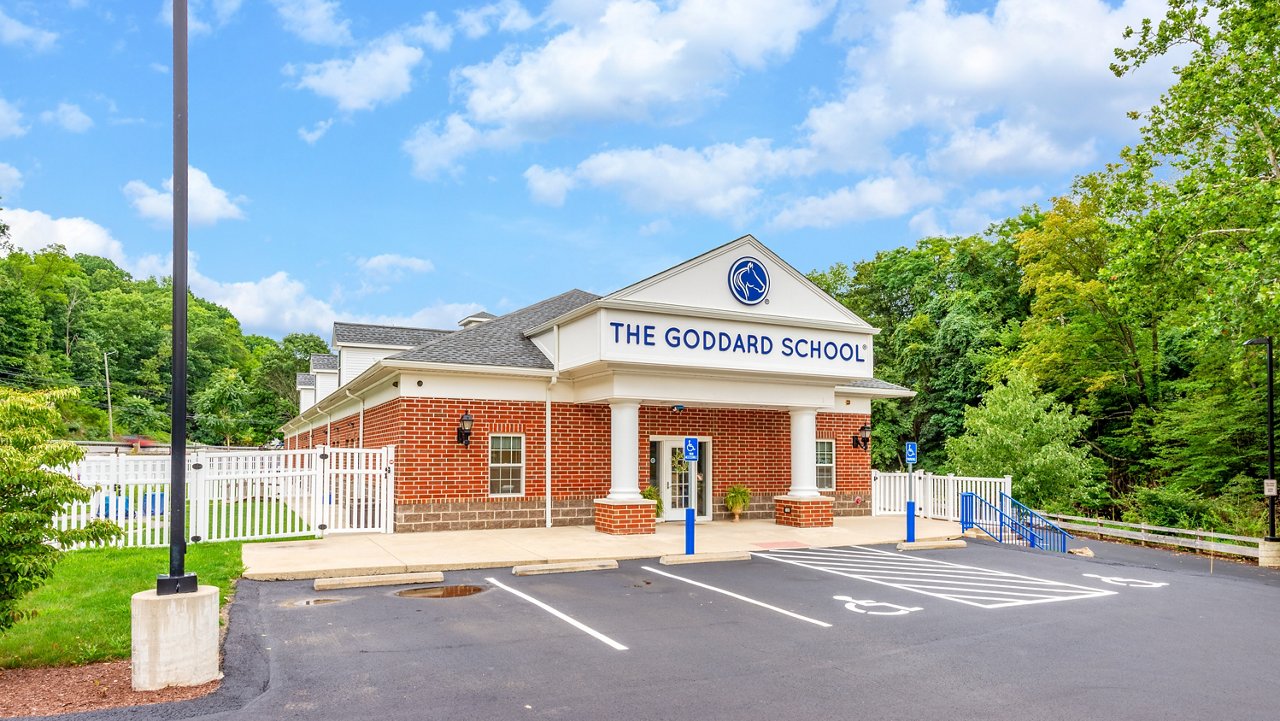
x: 749, y: 446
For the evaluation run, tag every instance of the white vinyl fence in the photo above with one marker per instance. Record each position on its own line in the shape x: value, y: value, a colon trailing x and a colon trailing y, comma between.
x: 240, y: 495
x: 936, y: 496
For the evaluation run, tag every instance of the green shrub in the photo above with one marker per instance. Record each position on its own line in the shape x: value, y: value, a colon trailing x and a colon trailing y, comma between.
x: 653, y: 494
x: 31, y: 495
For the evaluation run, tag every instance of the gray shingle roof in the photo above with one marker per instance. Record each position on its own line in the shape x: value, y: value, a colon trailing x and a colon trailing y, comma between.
x: 501, y: 341
x: 324, y: 362
x: 482, y: 315
x: 876, y: 384
x: 384, y: 335
x: 306, y: 380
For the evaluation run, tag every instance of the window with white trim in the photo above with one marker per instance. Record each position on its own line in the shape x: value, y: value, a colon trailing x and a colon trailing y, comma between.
x: 826, y: 465
x: 506, y: 465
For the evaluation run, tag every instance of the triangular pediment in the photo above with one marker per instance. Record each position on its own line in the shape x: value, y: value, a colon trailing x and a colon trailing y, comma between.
x: 741, y: 277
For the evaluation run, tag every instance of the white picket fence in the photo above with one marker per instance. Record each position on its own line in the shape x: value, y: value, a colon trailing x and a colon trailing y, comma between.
x: 936, y: 496
x: 241, y: 495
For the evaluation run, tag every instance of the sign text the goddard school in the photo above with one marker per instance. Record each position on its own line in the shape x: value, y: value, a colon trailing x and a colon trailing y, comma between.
x: 748, y: 343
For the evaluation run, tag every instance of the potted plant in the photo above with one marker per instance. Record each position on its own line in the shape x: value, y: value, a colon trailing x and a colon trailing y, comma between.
x: 737, y: 498
x: 652, y: 493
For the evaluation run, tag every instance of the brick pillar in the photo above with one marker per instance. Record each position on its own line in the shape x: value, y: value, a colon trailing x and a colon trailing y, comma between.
x: 804, y: 512
x: 624, y: 518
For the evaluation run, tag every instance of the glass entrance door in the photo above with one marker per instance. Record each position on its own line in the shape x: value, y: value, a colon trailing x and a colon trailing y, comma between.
x: 683, y: 484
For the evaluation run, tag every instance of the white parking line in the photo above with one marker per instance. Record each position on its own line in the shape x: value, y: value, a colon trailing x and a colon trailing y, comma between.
x: 969, y: 585
x: 563, y: 617
x: 731, y: 594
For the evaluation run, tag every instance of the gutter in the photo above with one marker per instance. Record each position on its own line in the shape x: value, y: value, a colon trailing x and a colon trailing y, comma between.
x: 555, y: 377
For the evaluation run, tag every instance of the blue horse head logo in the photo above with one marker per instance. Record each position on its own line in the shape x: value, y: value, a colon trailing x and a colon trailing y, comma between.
x: 748, y: 280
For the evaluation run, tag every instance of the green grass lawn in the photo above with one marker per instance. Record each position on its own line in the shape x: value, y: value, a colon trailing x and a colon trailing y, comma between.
x: 83, y: 611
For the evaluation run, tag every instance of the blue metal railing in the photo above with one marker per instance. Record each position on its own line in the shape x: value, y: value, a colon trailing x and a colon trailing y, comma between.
x: 1011, y: 522
x: 1040, y: 532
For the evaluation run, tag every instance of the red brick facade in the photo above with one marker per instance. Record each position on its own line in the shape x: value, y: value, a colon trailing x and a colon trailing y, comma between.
x: 620, y: 518
x: 803, y: 512
x: 443, y: 484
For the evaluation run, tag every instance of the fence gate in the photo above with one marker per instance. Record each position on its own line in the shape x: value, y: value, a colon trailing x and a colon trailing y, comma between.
x: 355, y: 493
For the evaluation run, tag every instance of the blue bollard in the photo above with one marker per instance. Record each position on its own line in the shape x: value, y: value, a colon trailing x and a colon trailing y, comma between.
x: 911, y: 521
x: 688, y: 531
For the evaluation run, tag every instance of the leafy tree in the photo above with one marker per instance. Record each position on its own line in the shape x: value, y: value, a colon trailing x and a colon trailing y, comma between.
x: 220, y: 407
x: 1019, y: 431
x: 31, y: 495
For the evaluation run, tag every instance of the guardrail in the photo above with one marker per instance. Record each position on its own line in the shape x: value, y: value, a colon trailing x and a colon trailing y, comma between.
x: 1185, y: 538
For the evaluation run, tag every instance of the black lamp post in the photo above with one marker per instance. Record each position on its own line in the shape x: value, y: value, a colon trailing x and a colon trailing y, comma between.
x: 178, y: 580
x: 1271, y: 434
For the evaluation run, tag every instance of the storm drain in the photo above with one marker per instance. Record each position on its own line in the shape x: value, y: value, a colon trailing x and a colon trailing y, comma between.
x: 441, y: 591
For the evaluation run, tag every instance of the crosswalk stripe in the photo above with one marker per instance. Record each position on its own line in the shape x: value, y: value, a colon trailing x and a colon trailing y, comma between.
x: 970, y: 585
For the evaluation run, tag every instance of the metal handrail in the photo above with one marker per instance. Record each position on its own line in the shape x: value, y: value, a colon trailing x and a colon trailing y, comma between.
x: 977, y: 512
x: 1040, y: 531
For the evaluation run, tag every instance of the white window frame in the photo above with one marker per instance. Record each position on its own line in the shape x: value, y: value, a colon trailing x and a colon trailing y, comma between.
x: 832, y: 465
x: 524, y: 449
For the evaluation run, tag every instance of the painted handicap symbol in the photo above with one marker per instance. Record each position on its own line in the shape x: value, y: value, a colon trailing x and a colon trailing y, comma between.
x: 1130, y: 582
x: 864, y: 607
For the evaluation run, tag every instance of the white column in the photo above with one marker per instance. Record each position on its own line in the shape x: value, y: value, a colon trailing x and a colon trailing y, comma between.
x: 624, y: 456
x: 804, y: 439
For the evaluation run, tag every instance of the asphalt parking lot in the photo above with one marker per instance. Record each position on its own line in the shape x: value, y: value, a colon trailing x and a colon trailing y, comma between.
x: 868, y: 633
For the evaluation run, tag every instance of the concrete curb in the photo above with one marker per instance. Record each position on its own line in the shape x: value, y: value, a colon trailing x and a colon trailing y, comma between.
x: 538, y: 569
x: 930, y: 545
x: 678, y: 559
x: 384, y: 579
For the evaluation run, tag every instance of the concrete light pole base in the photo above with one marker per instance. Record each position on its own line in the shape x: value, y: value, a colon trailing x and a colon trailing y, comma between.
x: 175, y: 639
x: 1269, y: 554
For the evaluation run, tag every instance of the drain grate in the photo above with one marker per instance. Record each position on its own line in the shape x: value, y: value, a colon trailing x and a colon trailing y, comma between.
x: 440, y: 591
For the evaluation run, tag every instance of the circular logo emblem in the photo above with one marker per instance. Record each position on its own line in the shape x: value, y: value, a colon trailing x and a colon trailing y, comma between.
x: 748, y: 280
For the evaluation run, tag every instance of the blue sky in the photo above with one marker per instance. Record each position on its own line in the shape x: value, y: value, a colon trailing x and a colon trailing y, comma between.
x: 411, y: 162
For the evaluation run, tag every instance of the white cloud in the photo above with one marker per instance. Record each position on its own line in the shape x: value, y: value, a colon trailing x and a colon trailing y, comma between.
x: 549, y: 187
x: 627, y: 60
x: 661, y: 225
x: 317, y: 131
x: 10, y: 179
x: 440, y: 315
x: 69, y: 116
x: 10, y: 121
x: 507, y: 16
x: 315, y: 21
x: 719, y: 180
x: 380, y: 73
x: 206, y: 203
x: 430, y: 32
x: 33, y: 230
x: 434, y: 150
x: 276, y: 303
x: 19, y: 35
x: 1007, y: 147
x: 391, y: 266
x: 870, y: 198
x: 159, y: 68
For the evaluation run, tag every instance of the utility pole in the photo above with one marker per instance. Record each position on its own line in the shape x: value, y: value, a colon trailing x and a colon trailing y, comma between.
x: 111, y: 426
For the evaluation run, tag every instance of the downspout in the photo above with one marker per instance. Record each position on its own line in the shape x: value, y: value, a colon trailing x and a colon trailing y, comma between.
x: 555, y: 376
x: 328, y: 430
x: 350, y: 395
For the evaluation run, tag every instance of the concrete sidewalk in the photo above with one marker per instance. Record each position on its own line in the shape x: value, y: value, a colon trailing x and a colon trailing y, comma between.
x: 369, y: 554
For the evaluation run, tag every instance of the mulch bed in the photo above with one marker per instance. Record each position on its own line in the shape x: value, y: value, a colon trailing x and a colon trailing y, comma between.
x: 49, y: 691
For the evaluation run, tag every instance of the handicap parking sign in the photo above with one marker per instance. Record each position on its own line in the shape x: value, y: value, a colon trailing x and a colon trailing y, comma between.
x: 911, y: 452
x: 691, y: 449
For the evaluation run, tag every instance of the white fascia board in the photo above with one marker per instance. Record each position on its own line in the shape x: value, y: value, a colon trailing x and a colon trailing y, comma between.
x: 874, y: 392
x: 688, y: 312
x: 325, y: 370
x: 463, y: 368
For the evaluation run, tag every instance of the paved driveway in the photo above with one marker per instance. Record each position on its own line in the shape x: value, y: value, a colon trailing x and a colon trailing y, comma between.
x: 852, y: 632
